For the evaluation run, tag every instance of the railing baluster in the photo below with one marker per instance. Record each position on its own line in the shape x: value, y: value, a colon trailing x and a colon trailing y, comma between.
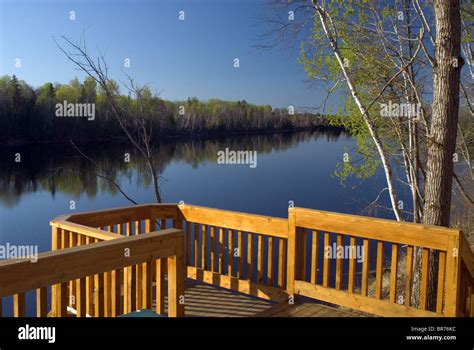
x: 99, y: 295
x: 365, y: 268
x: 213, y: 248
x: 271, y: 247
x: 41, y: 302
x: 301, y: 238
x: 188, y: 243
x: 230, y: 259
x: 394, y: 273
x: 19, y: 305
x: 80, y: 286
x: 379, y: 271
x: 281, y: 262
x: 108, y: 285
x: 409, y: 275
x: 81, y: 306
x: 139, y: 276
x: 196, y: 244
x: 352, y: 260
x: 147, y: 285
x: 221, y: 251
x: 128, y: 291
x: 260, y: 257
x: 176, y: 277
x: 65, y: 244
x: 117, y: 305
x: 314, y: 257
x: 441, y: 276
x: 73, y: 241
x: 107, y: 294
x: 90, y: 287
x: 250, y: 264
x: 64, y: 239
x: 338, y: 262
x: 326, y: 267
x: 204, y: 247
x: 160, y: 286
x: 55, y: 245
x: 62, y: 299
x: 240, y: 249
x: 424, y: 278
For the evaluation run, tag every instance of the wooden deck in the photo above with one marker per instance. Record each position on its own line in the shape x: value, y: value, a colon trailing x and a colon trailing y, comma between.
x: 205, y: 300
x: 239, y: 264
x: 306, y: 309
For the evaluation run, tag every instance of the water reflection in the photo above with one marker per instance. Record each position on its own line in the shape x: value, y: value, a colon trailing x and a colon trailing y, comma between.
x: 60, y: 168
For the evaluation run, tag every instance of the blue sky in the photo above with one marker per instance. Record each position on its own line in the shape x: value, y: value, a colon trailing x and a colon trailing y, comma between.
x: 179, y: 59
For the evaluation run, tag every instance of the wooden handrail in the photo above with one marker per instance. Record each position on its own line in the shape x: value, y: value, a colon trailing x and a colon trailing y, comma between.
x: 434, y: 237
x: 267, y: 225
x: 84, y: 230
x: 115, y: 216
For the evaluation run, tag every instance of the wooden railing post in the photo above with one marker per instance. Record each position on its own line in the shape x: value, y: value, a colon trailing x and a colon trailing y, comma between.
x: 55, y: 244
x: 291, y: 257
x: 176, y: 281
x: 453, y: 269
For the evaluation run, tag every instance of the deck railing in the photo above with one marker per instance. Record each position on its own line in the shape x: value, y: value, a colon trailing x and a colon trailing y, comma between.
x: 376, y: 237
x: 238, y: 251
x: 104, y: 225
x: 272, y: 258
x: 72, y: 273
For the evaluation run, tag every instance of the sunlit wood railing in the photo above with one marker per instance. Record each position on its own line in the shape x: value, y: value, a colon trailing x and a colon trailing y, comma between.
x: 376, y: 237
x: 70, y: 270
x: 272, y: 258
x: 238, y: 251
x: 109, y: 224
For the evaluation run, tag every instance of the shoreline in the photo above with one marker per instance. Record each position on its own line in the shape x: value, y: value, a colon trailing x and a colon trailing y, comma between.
x: 174, y: 137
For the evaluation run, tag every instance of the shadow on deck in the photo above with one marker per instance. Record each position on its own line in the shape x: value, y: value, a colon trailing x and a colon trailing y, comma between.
x: 206, y: 300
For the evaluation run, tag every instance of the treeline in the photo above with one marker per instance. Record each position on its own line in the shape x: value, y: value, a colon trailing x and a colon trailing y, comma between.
x: 29, y: 114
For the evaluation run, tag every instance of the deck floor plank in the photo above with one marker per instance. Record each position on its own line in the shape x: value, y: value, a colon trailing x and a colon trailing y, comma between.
x: 310, y: 309
x: 205, y: 300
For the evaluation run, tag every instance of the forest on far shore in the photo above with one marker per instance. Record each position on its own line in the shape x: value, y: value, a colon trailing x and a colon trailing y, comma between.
x: 29, y: 115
